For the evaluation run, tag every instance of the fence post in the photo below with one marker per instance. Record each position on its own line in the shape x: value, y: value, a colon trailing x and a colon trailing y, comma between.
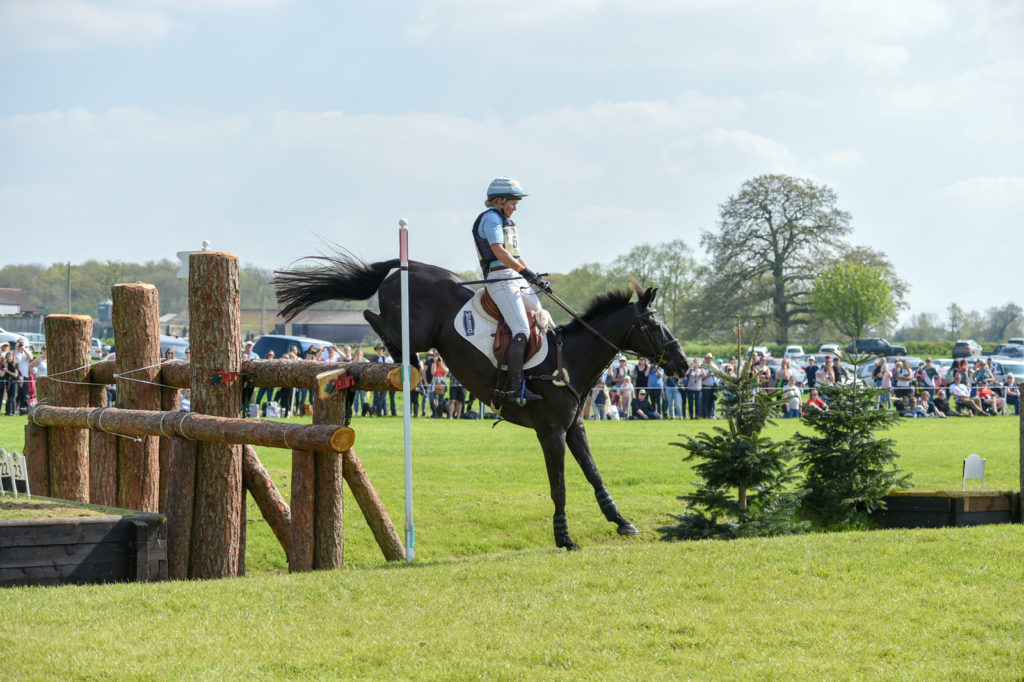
x: 69, y: 359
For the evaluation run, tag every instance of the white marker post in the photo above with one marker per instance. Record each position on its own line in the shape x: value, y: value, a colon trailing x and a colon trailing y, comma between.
x: 403, y: 255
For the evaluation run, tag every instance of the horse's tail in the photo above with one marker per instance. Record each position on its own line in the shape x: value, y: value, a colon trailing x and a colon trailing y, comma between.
x: 342, y: 277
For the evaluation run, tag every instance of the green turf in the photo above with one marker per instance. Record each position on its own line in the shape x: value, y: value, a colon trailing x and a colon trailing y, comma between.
x: 490, y: 597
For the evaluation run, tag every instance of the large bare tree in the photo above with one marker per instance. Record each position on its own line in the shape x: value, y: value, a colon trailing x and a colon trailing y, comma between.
x: 773, y: 238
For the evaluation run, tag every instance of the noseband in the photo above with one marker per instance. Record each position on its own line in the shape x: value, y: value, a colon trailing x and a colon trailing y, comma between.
x: 642, y: 321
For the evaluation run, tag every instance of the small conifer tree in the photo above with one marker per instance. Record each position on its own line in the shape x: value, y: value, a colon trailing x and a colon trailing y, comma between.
x: 744, y: 475
x: 847, y: 468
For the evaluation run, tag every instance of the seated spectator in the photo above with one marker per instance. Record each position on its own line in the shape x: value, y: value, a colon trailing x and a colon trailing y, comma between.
x: 990, y: 402
x: 942, y: 404
x: 1012, y: 391
x: 792, y: 394
x: 928, y: 407
x: 642, y: 407
x: 814, y: 402
x: 601, y: 399
x: 962, y: 397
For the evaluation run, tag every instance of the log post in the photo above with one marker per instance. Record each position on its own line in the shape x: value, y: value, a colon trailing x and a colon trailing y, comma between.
x: 300, y: 543
x: 36, y: 459
x: 136, y: 321
x: 170, y: 401
x: 69, y: 341
x: 329, y: 493
x: 181, y: 485
x: 216, y: 341
x: 102, y: 456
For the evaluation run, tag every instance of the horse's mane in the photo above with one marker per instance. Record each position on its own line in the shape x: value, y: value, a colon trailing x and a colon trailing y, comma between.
x: 604, y: 303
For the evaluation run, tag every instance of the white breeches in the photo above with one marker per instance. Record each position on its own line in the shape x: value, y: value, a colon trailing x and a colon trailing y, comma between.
x: 514, y: 297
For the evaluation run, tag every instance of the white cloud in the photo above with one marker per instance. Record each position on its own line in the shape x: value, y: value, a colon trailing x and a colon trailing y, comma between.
x: 70, y: 24
x: 844, y: 159
x: 1000, y: 193
x: 730, y: 151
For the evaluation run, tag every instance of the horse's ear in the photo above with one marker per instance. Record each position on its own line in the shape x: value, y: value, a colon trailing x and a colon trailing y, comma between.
x: 647, y: 297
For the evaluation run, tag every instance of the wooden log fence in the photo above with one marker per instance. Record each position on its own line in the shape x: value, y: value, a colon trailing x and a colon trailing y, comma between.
x: 195, y: 466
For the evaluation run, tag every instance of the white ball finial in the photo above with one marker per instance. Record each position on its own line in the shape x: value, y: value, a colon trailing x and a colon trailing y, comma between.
x: 206, y: 245
x: 402, y: 222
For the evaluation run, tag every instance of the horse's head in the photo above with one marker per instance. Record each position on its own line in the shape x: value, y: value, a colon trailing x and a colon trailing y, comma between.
x: 651, y: 338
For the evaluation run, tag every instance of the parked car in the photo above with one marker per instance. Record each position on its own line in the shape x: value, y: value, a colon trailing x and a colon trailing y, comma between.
x: 876, y: 345
x: 1017, y: 340
x: 177, y: 344
x: 281, y: 344
x: 96, y: 349
x: 12, y: 338
x: 35, y: 341
x: 1009, y: 350
x: 966, y: 348
x: 793, y: 352
x: 1000, y: 368
x: 829, y: 349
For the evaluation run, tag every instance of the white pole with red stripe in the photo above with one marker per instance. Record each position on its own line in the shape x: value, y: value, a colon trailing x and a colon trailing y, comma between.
x: 403, y: 255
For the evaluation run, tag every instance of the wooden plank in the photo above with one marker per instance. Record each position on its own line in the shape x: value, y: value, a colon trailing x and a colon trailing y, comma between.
x: 140, y: 557
x: 25, y: 532
x: 80, y: 574
x: 300, y: 543
x: 180, y: 496
x: 66, y: 554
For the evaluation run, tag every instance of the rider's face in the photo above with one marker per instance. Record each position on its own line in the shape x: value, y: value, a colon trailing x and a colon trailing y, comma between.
x: 508, y: 206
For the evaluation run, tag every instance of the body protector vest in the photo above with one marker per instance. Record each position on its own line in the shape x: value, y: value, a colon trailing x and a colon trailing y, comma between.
x: 483, y: 247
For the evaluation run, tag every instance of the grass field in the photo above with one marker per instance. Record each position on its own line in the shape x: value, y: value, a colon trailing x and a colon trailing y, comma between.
x: 490, y: 597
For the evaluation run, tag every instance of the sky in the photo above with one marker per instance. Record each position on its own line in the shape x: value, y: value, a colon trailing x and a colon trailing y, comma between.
x: 134, y: 129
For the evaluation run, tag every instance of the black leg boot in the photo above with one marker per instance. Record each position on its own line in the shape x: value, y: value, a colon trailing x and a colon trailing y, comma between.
x: 517, y: 390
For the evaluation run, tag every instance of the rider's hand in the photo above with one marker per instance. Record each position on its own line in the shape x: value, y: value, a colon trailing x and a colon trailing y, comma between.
x: 530, y: 276
x: 543, y: 285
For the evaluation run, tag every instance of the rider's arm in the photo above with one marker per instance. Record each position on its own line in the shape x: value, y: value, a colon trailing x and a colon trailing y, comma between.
x: 502, y: 254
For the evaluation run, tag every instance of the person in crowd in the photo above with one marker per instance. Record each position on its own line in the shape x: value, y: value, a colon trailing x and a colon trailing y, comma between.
x: 641, y: 373
x: 185, y: 404
x: 941, y: 403
x: 285, y: 395
x: 456, y: 399
x: 693, y: 381
x: 982, y: 372
x: 811, y: 372
x: 619, y: 373
x: 437, y: 400
x: 784, y: 373
x: 265, y: 391
x: 990, y: 402
x: 601, y: 399
x: 642, y: 407
x: 625, y: 397
x: 1011, y: 393
x: 814, y: 402
x: 39, y: 363
x: 904, y: 379
x: 708, y: 387
x: 380, y: 398
x: 673, y: 398
x: 656, y: 388
x: 22, y: 356
x: 615, y: 407
x: 793, y: 397
x: 884, y: 383
x: 961, y: 395
x: 929, y: 407
x: 11, y: 375
x: 247, y: 388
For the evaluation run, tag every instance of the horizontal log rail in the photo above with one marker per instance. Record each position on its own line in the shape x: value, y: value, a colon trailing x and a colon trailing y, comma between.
x: 366, y: 376
x: 200, y: 427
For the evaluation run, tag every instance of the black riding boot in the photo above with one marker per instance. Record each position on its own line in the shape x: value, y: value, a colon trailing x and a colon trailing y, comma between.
x: 514, y: 357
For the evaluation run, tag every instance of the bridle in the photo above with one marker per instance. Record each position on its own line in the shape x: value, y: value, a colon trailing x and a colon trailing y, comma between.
x: 642, y: 320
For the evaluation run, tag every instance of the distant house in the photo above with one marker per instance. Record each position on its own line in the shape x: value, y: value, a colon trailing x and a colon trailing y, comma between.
x: 14, y: 302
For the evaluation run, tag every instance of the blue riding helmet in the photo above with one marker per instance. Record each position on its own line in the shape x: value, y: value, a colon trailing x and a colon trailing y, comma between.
x: 505, y: 188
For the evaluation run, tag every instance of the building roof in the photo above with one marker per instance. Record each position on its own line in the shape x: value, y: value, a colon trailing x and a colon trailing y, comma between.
x: 17, y: 297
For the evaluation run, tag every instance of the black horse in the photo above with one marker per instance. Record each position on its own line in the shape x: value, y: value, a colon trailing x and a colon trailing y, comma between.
x: 436, y: 296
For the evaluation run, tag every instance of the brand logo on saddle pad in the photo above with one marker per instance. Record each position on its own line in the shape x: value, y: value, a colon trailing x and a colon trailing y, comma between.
x: 468, y: 323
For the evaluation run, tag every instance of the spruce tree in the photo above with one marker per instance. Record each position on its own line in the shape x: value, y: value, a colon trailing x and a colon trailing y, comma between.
x: 847, y: 468
x: 744, y: 475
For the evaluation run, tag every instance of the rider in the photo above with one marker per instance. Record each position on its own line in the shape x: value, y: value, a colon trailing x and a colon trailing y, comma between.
x: 497, y: 244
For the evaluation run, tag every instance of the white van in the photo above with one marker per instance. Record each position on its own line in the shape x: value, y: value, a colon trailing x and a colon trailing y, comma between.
x: 1017, y: 340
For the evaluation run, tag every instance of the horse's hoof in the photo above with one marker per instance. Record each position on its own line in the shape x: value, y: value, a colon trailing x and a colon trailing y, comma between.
x: 567, y: 544
x: 628, y: 528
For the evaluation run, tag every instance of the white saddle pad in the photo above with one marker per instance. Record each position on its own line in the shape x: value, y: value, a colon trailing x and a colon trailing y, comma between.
x: 479, y: 328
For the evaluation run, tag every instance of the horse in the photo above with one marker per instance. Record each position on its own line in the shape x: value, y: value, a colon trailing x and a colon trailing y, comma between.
x: 435, y: 297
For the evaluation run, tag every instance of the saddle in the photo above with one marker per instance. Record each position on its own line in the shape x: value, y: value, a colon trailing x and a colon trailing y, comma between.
x: 503, y: 335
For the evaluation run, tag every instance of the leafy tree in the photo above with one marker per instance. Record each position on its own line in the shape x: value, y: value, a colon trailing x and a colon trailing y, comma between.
x: 853, y: 297
x: 773, y: 238
x: 669, y: 266
x: 847, y: 469
x: 1003, y: 322
x: 743, y: 473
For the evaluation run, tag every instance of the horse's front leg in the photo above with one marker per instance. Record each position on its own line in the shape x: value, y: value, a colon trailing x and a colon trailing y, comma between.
x: 553, y: 444
x: 576, y: 439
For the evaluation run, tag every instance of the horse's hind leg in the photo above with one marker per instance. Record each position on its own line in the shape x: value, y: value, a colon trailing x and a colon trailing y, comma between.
x: 553, y: 445
x: 576, y: 439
